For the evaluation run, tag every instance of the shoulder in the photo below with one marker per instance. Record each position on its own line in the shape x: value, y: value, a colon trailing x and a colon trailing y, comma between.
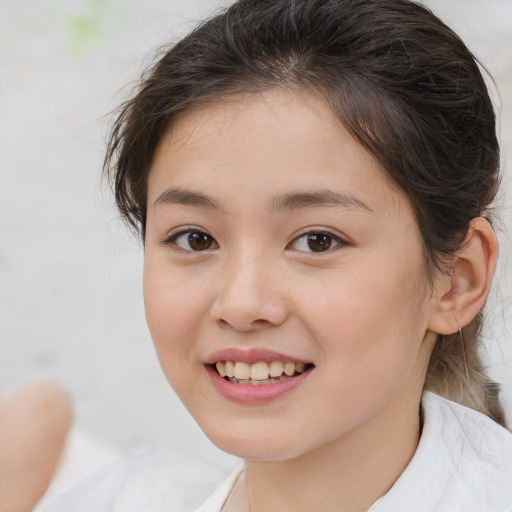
x: 463, y: 463
x: 480, y: 438
x: 152, y: 483
x: 479, y: 453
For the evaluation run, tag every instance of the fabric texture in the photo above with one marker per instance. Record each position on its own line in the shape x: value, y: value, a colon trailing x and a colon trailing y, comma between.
x: 463, y: 463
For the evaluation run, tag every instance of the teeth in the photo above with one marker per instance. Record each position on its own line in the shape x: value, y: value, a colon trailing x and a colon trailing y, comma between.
x: 289, y: 369
x: 230, y: 369
x: 242, y: 371
x: 276, y: 369
x: 256, y: 373
x: 259, y: 371
x: 221, y: 368
x: 251, y: 382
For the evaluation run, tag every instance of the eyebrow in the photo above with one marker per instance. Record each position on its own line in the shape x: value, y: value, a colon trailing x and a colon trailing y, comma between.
x: 291, y: 201
x: 187, y: 198
x: 299, y: 200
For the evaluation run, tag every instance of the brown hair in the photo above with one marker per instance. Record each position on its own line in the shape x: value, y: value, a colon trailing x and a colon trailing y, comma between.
x: 403, y: 84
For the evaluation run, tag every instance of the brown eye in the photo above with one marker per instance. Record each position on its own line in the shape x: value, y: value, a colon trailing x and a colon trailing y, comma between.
x: 316, y: 242
x: 319, y: 242
x: 194, y: 241
x: 199, y: 241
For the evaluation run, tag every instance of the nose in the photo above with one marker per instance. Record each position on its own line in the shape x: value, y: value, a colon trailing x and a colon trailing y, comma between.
x: 250, y: 296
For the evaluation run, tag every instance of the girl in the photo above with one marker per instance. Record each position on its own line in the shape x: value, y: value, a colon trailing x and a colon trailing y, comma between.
x: 312, y: 182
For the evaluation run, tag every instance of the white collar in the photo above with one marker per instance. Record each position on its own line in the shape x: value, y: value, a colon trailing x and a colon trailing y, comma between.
x: 463, y: 463
x: 216, y: 501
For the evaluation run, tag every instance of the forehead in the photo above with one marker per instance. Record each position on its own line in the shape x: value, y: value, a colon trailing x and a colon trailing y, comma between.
x: 275, y: 140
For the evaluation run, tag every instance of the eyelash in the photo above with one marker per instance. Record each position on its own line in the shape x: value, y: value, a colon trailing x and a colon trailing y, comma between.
x: 172, y: 240
x: 338, y: 241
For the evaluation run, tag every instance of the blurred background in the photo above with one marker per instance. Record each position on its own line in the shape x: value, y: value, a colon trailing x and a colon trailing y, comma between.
x: 71, y: 275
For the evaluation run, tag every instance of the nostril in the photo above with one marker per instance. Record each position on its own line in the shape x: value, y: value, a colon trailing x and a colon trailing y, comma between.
x: 258, y: 307
x: 241, y: 325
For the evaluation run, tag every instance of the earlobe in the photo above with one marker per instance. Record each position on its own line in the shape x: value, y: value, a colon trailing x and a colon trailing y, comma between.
x: 462, y: 294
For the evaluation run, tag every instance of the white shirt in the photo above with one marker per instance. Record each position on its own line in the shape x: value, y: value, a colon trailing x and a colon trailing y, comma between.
x: 463, y: 463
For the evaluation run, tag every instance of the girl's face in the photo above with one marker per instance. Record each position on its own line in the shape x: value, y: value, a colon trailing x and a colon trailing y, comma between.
x: 274, y: 238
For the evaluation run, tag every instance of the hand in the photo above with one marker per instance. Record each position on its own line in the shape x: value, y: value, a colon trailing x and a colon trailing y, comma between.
x: 34, y: 424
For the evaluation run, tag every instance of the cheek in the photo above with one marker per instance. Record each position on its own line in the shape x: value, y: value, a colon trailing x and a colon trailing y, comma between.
x: 174, y: 313
x: 369, y: 323
x: 368, y: 351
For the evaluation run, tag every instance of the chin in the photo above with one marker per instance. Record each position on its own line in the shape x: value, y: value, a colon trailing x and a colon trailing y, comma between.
x: 262, y: 446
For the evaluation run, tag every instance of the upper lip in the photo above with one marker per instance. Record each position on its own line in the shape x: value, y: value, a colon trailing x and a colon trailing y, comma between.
x: 251, y: 356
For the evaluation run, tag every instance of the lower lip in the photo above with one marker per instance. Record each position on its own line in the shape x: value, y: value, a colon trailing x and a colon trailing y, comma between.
x: 258, y: 394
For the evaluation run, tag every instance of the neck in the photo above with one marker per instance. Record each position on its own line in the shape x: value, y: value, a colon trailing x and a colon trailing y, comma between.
x: 347, y: 474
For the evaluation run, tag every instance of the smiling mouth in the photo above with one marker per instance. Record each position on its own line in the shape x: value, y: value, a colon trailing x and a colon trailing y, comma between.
x: 257, y: 374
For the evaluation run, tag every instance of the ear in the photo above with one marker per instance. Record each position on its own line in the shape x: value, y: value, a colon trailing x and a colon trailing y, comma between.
x: 461, y: 295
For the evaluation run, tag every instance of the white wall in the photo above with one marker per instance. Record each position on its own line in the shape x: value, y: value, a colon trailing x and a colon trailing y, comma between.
x: 70, y: 276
